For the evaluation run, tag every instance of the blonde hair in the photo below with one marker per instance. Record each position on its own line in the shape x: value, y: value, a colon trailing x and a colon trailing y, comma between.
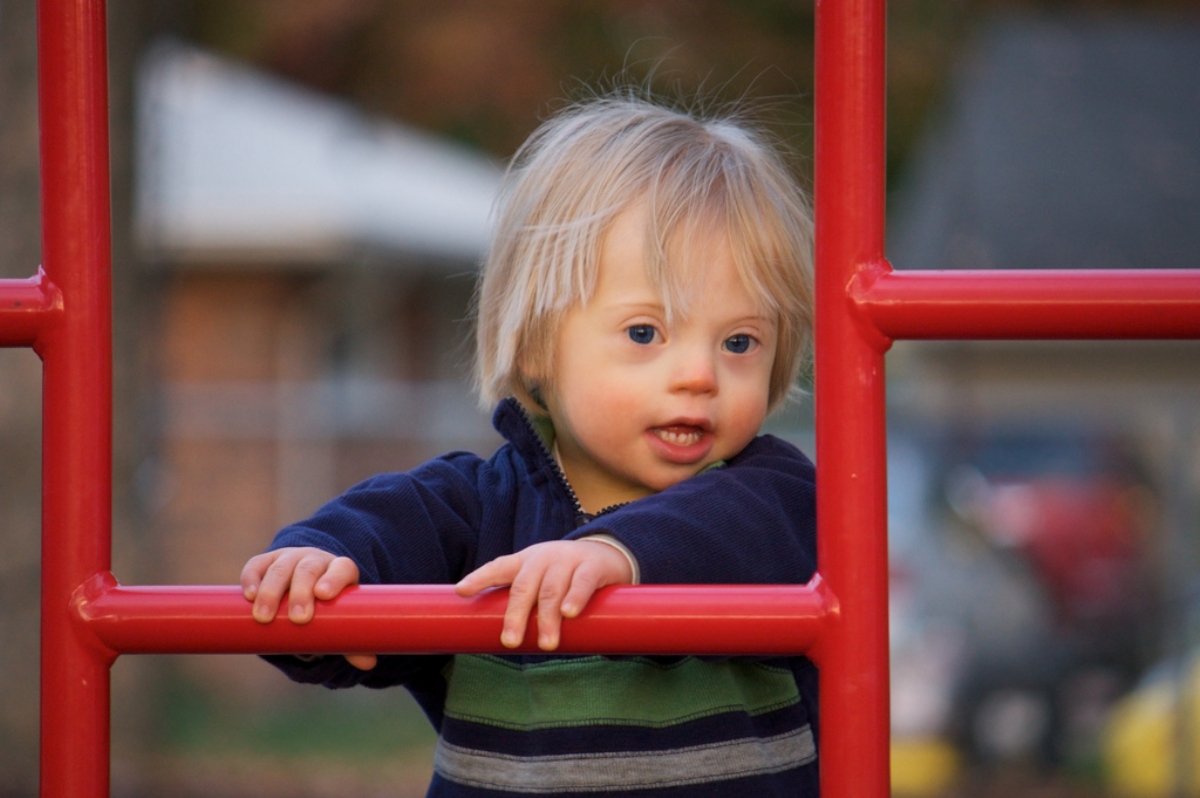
x: 588, y: 163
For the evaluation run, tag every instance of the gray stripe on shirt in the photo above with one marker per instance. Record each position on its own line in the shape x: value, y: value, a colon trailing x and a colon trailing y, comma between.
x: 626, y: 770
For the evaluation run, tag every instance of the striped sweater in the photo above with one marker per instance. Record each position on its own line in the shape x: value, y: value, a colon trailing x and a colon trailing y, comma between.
x: 550, y: 725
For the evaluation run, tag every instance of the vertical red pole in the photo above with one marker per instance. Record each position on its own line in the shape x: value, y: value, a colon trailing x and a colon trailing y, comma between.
x: 77, y: 389
x: 851, y: 448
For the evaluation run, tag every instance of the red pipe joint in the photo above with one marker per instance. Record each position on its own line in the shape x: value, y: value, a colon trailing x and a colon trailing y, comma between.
x: 27, y: 309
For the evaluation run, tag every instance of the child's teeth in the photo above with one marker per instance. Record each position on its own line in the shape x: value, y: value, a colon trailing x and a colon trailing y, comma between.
x: 679, y: 438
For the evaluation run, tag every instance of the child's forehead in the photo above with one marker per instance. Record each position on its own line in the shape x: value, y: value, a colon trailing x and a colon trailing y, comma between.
x: 680, y: 234
x: 680, y: 259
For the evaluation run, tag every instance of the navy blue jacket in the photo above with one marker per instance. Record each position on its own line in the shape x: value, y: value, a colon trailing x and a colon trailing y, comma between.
x: 535, y: 723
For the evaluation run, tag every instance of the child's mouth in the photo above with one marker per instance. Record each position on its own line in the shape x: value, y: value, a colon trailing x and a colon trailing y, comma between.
x: 680, y: 434
x: 681, y: 443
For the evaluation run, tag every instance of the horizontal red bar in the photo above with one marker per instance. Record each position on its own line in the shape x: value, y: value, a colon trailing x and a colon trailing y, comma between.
x: 1026, y: 304
x: 27, y: 307
x: 430, y: 619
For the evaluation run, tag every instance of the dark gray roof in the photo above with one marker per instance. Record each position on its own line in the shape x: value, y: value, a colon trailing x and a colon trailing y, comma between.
x: 1064, y: 144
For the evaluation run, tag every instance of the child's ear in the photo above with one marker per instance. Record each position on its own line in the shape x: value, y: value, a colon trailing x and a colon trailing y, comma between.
x: 531, y: 382
x: 535, y: 393
x: 530, y: 395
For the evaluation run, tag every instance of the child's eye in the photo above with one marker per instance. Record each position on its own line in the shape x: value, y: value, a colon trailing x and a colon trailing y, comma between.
x: 739, y: 344
x: 641, y: 334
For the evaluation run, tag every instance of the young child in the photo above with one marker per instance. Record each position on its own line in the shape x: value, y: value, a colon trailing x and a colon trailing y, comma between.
x: 645, y: 303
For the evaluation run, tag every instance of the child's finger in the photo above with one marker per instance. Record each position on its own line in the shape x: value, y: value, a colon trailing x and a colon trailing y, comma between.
x: 521, y: 597
x: 273, y: 584
x: 341, y: 573
x: 605, y: 566
x: 252, y: 573
x: 497, y: 573
x: 311, y: 566
x: 584, y: 583
x: 364, y: 662
x: 549, y: 606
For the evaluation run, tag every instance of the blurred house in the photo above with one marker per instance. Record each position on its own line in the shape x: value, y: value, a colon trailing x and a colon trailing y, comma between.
x: 1065, y: 143
x: 1071, y: 467
x: 313, y: 270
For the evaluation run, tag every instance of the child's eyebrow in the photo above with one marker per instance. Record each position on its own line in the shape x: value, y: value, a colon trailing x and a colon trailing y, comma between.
x: 759, y: 317
x: 764, y: 320
x: 640, y: 305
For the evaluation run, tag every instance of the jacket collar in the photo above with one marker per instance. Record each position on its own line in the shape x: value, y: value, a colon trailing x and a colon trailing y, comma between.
x: 532, y: 437
x: 528, y: 433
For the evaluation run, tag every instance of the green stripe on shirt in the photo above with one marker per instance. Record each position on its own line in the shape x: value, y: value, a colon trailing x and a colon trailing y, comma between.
x: 589, y: 691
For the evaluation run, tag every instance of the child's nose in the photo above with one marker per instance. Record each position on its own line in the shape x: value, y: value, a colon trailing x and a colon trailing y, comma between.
x: 695, y: 371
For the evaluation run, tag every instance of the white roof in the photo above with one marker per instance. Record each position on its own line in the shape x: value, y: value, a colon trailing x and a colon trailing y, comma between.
x: 237, y: 165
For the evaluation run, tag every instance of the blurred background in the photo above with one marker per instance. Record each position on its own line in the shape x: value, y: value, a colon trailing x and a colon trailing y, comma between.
x: 300, y: 199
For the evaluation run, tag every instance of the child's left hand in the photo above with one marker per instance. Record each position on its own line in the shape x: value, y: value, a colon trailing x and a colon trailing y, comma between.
x: 558, y: 576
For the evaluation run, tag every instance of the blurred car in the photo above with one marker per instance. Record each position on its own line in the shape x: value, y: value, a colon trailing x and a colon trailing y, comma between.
x: 1017, y: 591
x: 1072, y: 505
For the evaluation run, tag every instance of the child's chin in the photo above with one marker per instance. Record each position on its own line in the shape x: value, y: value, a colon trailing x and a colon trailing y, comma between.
x: 671, y: 474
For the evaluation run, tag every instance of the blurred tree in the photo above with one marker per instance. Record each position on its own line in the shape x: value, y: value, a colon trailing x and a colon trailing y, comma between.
x: 484, y: 72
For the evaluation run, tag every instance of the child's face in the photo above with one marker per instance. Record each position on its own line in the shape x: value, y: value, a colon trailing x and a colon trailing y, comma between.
x: 640, y: 404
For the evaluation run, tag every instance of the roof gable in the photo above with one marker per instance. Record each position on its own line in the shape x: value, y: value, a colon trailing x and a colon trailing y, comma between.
x: 1065, y: 144
x: 234, y: 164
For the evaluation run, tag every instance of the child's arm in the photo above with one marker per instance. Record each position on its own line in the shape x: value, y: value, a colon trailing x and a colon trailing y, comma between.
x: 558, y: 576
x: 303, y: 574
x: 752, y: 521
x: 414, y: 528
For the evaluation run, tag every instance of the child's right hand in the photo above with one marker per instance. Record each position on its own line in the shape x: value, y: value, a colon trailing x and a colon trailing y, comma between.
x: 303, y: 574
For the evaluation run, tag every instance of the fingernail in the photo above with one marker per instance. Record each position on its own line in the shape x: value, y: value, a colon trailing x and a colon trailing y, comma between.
x: 510, y: 639
x: 297, y: 613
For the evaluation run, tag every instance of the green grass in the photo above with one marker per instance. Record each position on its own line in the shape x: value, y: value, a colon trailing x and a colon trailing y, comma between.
x: 300, y: 721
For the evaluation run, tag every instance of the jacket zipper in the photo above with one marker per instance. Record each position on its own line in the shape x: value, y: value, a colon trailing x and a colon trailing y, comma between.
x: 581, y: 515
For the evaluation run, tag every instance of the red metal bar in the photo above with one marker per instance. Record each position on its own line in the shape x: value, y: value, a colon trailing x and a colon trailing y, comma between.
x: 27, y: 309
x: 1058, y: 304
x: 87, y: 618
x: 849, y: 393
x: 77, y: 390
x: 427, y: 619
